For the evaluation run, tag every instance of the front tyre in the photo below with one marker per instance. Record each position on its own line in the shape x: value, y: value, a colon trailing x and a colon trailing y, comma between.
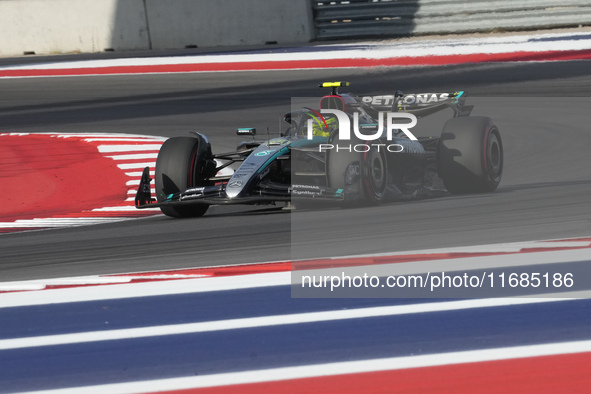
x: 375, y: 179
x: 179, y: 166
x: 362, y: 175
x: 470, y: 155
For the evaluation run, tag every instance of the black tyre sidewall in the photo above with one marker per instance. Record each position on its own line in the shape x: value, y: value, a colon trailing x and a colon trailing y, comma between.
x: 366, y: 191
x: 464, y: 158
x: 175, y: 171
x: 374, y: 192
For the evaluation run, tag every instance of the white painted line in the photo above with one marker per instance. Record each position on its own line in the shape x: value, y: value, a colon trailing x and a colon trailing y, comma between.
x: 128, y: 148
x: 332, y: 369
x: 138, y: 156
x: 60, y: 222
x: 165, y: 276
x: 121, y: 139
x: 95, y: 293
x: 263, y: 321
x: 40, y: 284
x: 138, y: 174
x: 130, y: 166
x: 100, y: 135
x: 79, y: 281
x: 123, y: 208
x: 512, y: 247
x: 22, y: 286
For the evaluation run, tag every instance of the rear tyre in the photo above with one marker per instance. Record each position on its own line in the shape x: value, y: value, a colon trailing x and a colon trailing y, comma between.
x: 179, y: 167
x: 470, y: 155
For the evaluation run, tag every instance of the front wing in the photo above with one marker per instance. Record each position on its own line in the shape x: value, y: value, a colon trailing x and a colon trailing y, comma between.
x: 262, y: 193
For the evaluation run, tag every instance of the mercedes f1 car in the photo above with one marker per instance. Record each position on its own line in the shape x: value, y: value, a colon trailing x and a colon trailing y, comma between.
x: 349, y: 150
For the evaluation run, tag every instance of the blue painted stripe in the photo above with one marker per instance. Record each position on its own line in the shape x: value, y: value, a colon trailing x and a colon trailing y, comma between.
x: 171, y: 309
x: 298, y: 344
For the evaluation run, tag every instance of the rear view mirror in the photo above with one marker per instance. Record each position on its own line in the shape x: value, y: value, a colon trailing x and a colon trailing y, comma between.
x: 246, y: 131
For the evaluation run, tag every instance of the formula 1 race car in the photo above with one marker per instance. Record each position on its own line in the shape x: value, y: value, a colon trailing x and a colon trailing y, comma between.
x: 351, y: 150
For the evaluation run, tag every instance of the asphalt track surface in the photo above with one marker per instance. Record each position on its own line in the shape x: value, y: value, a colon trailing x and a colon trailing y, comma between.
x: 544, y: 194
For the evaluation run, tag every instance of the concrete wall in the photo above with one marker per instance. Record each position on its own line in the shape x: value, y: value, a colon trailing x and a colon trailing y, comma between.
x: 205, y: 23
x: 62, y: 26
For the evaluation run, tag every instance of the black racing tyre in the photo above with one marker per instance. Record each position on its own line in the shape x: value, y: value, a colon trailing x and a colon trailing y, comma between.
x: 470, y: 155
x: 177, y: 169
x: 336, y: 165
x: 375, y: 175
x: 364, y: 175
